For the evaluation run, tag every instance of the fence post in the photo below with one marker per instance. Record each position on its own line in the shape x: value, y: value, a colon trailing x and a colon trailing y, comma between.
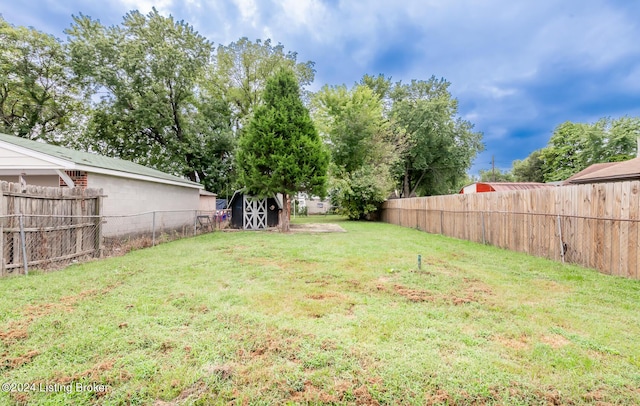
x: 2, y: 213
x: 195, y: 222
x: 441, y: 222
x: 561, y: 243
x: 153, y: 229
x: 1, y: 249
x: 483, y: 227
x: 98, y: 235
x: 23, y: 245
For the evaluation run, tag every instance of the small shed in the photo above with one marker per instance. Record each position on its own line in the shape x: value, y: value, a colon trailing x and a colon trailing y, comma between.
x: 253, y: 213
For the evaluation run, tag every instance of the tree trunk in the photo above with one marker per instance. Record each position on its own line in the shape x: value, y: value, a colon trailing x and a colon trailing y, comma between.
x: 285, y: 214
x: 406, y: 187
x: 415, y: 187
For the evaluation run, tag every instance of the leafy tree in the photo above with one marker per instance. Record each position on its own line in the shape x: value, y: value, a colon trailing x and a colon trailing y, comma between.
x: 148, y: 71
x: 564, y: 155
x: 360, y: 193
x: 241, y: 69
x: 213, y: 155
x: 575, y: 146
x: 496, y: 175
x: 363, y: 147
x: 281, y: 152
x: 441, y: 145
x: 380, y: 85
x: 38, y: 100
x: 530, y: 169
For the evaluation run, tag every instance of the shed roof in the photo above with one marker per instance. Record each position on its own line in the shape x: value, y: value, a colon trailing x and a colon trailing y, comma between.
x: 207, y: 193
x: 70, y: 159
x: 607, y: 172
x: 241, y: 192
x: 507, y: 186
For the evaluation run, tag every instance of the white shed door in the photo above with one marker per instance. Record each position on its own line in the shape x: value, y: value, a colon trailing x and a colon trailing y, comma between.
x: 255, y: 213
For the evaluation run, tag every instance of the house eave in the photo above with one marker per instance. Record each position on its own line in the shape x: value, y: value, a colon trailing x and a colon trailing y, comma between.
x: 128, y: 175
x: 606, y: 179
x: 56, y: 163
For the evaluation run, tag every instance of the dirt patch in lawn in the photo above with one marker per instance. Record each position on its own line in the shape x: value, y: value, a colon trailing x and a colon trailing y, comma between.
x: 13, y: 334
x: 17, y: 330
x: 515, y: 343
x: 555, y: 341
x: 19, y: 361
x: 316, y: 228
x: 188, y: 395
x: 343, y: 392
x: 414, y: 295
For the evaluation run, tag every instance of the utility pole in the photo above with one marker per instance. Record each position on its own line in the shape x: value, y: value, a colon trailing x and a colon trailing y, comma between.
x: 493, y: 167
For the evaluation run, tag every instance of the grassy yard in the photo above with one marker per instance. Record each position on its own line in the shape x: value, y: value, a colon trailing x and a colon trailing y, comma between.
x: 344, y: 318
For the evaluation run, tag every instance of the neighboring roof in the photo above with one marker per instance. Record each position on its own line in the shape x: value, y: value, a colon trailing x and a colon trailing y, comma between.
x: 591, y: 169
x: 507, y: 186
x: 78, y: 160
x: 206, y: 193
x: 611, y: 171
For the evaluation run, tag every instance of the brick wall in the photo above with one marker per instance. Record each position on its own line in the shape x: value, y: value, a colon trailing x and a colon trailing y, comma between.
x: 79, y: 178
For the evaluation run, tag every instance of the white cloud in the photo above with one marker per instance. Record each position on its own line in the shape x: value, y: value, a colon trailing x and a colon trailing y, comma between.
x: 590, y: 37
x: 303, y: 12
x: 471, y: 116
x: 145, y: 6
x: 497, y: 92
x: 249, y: 11
x: 496, y: 133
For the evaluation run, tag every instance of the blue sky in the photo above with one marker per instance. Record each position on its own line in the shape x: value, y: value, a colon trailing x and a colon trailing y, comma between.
x: 517, y: 68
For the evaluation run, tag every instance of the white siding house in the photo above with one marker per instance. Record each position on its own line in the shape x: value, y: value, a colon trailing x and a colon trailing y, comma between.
x: 129, y: 188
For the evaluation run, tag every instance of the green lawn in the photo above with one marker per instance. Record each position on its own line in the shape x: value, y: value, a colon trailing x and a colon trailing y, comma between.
x: 345, y: 318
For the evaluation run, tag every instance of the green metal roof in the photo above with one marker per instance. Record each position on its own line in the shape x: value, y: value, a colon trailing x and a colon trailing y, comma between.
x: 93, y: 160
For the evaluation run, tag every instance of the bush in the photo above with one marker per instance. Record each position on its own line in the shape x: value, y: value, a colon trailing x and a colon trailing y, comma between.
x: 362, y: 192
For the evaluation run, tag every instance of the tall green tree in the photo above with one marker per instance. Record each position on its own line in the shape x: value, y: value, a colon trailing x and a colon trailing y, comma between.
x: 240, y: 71
x: 530, y: 169
x: 495, y: 175
x: 441, y: 144
x: 281, y: 151
x: 38, y: 98
x: 363, y: 147
x: 575, y: 146
x: 148, y: 72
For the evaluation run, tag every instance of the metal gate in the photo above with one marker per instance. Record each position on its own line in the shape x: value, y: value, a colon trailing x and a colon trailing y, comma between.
x: 255, y: 213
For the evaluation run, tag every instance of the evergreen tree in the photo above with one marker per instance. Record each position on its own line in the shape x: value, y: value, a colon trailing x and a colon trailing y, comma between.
x: 281, y: 151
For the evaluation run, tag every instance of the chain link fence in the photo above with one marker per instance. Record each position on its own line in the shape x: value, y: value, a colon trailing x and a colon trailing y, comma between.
x: 52, y: 241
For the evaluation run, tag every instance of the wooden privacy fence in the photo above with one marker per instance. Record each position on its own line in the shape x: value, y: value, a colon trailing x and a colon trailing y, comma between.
x: 593, y: 225
x: 40, y: 225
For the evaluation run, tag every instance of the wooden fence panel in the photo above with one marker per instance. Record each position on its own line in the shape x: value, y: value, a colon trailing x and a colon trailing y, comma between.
x: 619, y: 231
x: 58, y: 224
x: 634, y: 216
x: 597, y: 223
x: 534, y: 229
